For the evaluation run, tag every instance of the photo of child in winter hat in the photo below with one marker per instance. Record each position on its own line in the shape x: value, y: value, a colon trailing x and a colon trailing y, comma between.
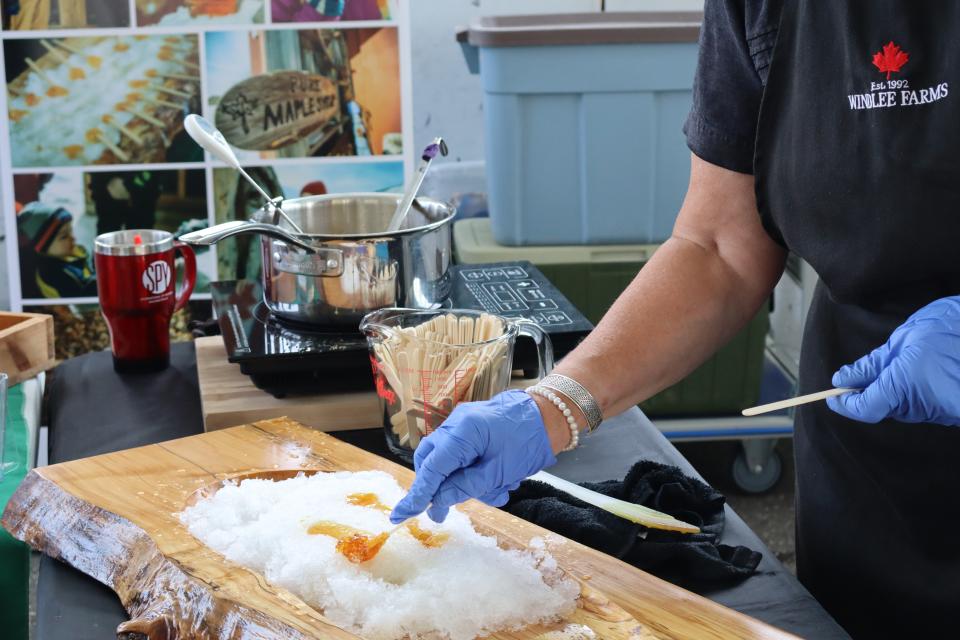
x: 53, y: 265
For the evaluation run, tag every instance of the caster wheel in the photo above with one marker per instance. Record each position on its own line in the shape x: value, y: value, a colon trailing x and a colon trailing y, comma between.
x: 756, y: 481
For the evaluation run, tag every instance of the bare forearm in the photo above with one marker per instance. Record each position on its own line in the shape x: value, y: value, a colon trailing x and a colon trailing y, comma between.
x: 700, y: 288
x: 683, y: 305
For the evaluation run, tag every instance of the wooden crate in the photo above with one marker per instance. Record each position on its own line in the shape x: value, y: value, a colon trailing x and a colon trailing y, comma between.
x: 26, y: 345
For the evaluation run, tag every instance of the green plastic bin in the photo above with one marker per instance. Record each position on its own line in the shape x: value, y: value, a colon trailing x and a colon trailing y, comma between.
x: 592, y: 276
x: 14, y: 555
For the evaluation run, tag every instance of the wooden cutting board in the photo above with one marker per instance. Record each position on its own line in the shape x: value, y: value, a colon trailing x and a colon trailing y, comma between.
x: 114, y: 517
x: 228, y: 398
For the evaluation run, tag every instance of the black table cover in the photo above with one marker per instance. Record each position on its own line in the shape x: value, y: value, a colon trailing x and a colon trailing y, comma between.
x: 93, y: 410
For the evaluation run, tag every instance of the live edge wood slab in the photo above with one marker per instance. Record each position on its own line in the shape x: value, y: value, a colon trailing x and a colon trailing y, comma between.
x: 114, y: 517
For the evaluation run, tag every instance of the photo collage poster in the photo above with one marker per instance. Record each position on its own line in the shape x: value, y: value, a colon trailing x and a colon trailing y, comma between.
x: 314, y: 96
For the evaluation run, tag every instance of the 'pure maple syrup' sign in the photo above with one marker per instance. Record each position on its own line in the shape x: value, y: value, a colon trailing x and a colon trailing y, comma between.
x: 895, y: 92
x: 277, y: 109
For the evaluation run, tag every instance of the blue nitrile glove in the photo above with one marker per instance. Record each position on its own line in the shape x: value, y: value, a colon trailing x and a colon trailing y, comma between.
x: 483, y: 450
x: 914, y: 377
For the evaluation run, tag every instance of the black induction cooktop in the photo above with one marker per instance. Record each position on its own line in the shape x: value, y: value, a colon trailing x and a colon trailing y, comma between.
x: 290, y: 358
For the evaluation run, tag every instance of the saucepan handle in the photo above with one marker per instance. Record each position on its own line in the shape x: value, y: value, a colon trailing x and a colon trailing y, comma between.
x: 218, y: 232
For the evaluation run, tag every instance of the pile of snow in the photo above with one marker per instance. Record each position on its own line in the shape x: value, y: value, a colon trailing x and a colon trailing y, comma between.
x: 466, y: 588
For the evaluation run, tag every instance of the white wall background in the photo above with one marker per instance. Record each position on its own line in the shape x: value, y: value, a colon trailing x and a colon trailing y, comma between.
x: 446, y: 98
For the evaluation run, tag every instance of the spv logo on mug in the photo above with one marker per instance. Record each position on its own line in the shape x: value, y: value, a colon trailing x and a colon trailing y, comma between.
x: 156, y: 277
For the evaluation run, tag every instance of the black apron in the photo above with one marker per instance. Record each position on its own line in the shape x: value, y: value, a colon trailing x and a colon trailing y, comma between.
x: 858, y: 172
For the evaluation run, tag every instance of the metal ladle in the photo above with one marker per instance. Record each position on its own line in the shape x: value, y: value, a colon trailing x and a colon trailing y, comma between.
x: 209, y: 137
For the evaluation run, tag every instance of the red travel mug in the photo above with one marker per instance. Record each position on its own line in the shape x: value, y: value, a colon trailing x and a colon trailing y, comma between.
x: 136, y: 278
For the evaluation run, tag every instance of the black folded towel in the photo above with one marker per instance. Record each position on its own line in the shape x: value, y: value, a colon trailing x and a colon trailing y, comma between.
x: 694, y: 561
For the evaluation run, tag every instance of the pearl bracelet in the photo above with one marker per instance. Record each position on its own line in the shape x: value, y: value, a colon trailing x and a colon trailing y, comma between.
x: 577, y: 395
x: 564, y: 409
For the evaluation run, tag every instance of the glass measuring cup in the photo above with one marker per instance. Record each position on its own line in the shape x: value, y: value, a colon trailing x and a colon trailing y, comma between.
x: 426, y: 362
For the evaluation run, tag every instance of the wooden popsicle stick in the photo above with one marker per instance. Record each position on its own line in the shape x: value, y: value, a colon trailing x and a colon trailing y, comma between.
x: 466, y: 330
x: 475, y: 390
x: 179, y: 76
x: 56, y: 53
x: 488, y: 328
x: 389, y: 359
x: 170, y: 55
x: 416, y: 362
x: 170, y: 90
x: 117, y: 151
x: 79, y: 52
x: 162, y: 103
x: 457, y: 376
x: 40, y: 72
x: 452, y: 327
x: 420, y: 329
x: 392, y: 378
x: 124, y: 130
x: 480, y: 328
x: 445, y: 351
x: 188, y: 44
x: 793, y: 402
x: 406, y: 402
x: 145, y: 116
x: 504, y: 365
x: 440, y: 325
x: 69, y: 47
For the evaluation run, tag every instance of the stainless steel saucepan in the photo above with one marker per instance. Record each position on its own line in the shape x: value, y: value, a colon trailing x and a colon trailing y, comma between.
x: 345, y: 264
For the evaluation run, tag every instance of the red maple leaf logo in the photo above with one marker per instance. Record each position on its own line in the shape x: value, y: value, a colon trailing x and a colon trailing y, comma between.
x: 889, y: 59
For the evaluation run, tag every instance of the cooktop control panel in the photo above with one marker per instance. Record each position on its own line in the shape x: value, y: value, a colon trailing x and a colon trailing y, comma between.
x: 517, y: 289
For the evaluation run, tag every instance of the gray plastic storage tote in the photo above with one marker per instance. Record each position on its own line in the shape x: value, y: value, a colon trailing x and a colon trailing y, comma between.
x: 583, y: 116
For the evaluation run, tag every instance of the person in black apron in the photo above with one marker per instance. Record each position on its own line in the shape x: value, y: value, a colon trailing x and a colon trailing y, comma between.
x: 845, y: 114
x: 857, y: 171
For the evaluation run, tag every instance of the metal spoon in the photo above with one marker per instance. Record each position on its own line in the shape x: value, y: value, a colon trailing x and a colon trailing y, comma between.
x: 435, y: 147
x: 209, y: 137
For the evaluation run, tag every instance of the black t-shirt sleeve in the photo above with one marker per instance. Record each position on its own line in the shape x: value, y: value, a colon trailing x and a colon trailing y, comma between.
x: 736, y: 43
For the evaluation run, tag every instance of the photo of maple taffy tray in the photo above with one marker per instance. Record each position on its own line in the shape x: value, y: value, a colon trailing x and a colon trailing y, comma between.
x: 101, y: 100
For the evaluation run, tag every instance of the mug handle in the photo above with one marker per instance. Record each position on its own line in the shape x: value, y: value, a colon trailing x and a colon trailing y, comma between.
x: 529, y: 328
x: 189, y: 273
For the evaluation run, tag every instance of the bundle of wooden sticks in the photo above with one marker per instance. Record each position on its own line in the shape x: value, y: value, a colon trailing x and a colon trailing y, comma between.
x: 436, y: 365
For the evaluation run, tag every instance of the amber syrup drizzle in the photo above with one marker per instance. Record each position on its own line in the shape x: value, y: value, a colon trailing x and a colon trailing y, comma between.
x: 360, y: 546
